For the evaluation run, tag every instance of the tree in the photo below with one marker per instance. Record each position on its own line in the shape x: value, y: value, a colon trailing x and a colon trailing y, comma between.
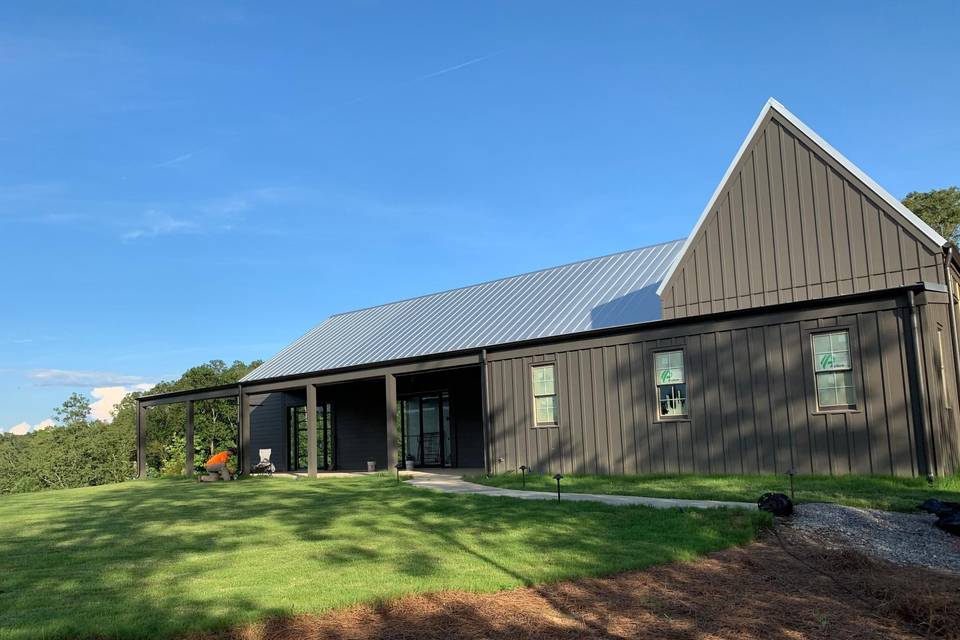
x: 75, y: 410
x: 940, y: 208
x: 215, y: 421
x: 82, y: 452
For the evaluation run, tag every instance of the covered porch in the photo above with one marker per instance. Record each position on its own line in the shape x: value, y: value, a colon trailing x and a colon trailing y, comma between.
x: 433, y: 413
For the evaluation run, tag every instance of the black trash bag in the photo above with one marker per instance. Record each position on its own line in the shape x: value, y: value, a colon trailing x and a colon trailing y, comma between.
x: 776, y: 503
x: 949, y: 522
x: 939, y: 507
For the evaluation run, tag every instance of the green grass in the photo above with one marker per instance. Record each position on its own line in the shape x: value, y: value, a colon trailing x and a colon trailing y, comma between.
x: 158, y: 558
x: 878, y: 492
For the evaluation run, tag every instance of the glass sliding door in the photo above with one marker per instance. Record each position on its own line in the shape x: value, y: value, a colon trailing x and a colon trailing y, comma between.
x: 297, y: 442
x: 410, y: 425
x: 427, y: 433
x: 447, y: 431
x: 432, y: 453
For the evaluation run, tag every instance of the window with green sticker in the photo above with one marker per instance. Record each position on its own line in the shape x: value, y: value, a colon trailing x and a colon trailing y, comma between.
x: 545, y: 394
x: 833, y: 370
x: 671, y: 384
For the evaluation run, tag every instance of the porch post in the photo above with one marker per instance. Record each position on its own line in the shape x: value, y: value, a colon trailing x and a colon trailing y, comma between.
x: 485, y: 410
x: 188, y: 464
x: 390, y: 382
x: 141, y: 440
x: 245, y: 453
x: 311, y: 431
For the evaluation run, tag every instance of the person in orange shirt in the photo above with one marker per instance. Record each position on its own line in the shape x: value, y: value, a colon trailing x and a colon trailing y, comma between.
x: 218, y: 463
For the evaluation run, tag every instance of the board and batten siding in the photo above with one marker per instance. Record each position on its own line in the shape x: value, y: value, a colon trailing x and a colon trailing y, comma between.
x: 752, y: 402
x: 942, y: 392
x: 268, y: 428
x: 792, y: 224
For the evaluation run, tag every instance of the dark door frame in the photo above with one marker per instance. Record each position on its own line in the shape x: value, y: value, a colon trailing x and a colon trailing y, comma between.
x: 329, y: 440
x: 419, y: 395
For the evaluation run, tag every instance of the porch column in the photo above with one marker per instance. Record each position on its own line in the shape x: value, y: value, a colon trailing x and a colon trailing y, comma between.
x: 485, y: 410
x: 246, y: 455
x: 188, y: 464
x: 390, y: 382
x: 311, y: 431
x: 141, y: 440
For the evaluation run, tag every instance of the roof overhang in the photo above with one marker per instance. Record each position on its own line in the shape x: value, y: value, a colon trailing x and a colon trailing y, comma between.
x: 475, y: 357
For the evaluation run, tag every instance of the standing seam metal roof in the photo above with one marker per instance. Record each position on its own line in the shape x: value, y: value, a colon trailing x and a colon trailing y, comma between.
x: 614, y: 290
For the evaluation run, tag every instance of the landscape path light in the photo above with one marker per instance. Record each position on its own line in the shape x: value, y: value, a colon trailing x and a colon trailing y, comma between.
x: 523, y: 475
x: 792, y: 472
x: 399, y: 466
x: 558, y: 478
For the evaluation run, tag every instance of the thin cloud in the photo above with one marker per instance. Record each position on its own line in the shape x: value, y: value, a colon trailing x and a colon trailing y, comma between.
x: 31, y: 340
x: 174, y: 161
x: 160, y: 224
x: 73, y: 378
x: 456, y: 67
x: 432, y: 74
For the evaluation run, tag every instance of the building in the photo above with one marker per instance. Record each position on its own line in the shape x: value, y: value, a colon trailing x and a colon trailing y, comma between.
x: 808, y: 322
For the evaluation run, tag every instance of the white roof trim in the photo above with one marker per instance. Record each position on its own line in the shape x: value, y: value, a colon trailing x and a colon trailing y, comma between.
x: 922, y: 226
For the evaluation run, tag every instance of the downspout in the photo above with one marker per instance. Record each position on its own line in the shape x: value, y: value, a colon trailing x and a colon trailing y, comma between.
x: 485, y: 409
x: 948, y: 279
x: 921, y: 392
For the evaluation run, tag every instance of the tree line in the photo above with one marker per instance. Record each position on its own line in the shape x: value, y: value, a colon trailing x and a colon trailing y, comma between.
x: 79, y: 451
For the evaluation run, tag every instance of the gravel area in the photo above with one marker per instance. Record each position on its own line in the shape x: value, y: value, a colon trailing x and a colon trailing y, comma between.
x: 901, y: 538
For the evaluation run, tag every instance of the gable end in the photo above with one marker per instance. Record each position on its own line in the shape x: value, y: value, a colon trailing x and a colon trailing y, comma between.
x: 794, y: 220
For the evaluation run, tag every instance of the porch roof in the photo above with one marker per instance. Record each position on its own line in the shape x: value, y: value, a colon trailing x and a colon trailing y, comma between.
x: 609, y: 291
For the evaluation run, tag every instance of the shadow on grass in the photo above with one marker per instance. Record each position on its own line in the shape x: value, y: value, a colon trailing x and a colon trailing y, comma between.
x: 158, y: 558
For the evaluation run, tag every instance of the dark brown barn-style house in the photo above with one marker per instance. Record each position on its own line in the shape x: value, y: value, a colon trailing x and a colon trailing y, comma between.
x: 808, y: 323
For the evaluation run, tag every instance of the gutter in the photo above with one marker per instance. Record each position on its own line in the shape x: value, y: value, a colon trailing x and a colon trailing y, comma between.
x: 579, y: 335
x: 948, y: 255
x: 920, y: 397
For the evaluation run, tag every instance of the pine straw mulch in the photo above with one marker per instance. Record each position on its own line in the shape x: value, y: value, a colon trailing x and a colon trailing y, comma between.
x: 757, y: 592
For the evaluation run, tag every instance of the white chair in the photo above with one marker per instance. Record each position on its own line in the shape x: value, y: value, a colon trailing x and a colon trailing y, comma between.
x: 265, y: 466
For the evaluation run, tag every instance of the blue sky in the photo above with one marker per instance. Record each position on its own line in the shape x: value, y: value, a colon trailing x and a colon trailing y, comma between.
x: 187, y: 181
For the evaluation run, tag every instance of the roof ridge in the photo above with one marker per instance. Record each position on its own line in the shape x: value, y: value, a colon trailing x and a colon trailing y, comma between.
x: 502, y: 279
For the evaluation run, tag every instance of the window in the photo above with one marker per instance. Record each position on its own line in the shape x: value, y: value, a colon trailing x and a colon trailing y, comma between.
x: 545, y: 394
x: 834, y: 373
x: 671, y: 384
x: 298, y: 451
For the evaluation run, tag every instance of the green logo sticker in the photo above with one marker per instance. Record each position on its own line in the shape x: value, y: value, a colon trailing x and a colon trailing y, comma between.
x: 666, y: 375
x: 826, y: 361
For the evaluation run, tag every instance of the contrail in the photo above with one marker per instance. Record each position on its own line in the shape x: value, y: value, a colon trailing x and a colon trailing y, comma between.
x: 407, y: 83
x: 173, y: 161
x: 458, y: 66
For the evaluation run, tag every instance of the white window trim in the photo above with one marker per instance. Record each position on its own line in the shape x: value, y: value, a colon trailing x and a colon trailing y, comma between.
x: 661, y: 417
x: 818, y: 372
x: 533, y: 392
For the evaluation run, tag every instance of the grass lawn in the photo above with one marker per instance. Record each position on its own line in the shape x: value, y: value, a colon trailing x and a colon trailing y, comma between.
x: 878, y: 492
x: 158, y: 558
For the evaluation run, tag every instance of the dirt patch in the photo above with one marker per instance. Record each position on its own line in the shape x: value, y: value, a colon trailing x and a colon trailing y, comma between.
x: 756, y: 592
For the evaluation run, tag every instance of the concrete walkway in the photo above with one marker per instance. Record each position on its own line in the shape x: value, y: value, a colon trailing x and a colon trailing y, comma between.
x: 456, y: 484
